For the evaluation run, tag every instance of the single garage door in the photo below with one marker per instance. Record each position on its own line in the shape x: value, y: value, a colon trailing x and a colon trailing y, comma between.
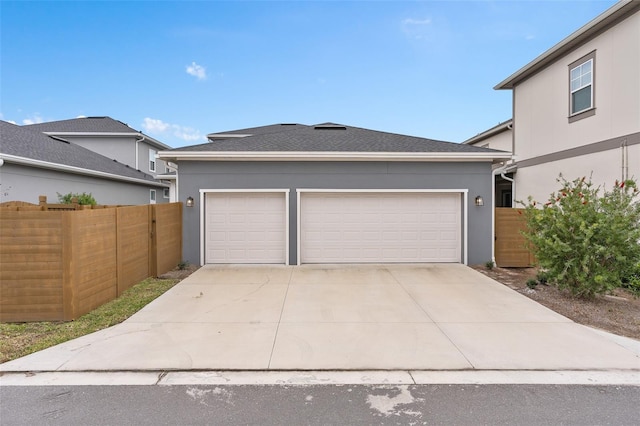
x: 380, y: 227
x: 245, y: 228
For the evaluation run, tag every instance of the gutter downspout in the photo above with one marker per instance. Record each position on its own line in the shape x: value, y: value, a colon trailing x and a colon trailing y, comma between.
x: 513, y: 192
x: 499, y: 171
x: 625, y: 160
x: 137, y: 155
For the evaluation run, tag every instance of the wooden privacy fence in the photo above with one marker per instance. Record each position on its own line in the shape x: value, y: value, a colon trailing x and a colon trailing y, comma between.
x: 59, y: 265
x: 510, y: 247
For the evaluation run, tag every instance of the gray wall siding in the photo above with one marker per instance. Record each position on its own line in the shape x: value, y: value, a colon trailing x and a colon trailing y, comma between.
x: 122, y: 149
x: 20, y: 183
x: 143, y: 159
x: 476, y: 177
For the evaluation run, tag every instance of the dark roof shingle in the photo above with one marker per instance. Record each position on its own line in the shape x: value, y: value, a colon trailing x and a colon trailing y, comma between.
x: 329, y: 137
x: 83, y: 125
x: 25, y: 142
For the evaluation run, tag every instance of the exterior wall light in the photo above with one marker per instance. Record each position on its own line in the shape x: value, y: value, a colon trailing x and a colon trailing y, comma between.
x: 479, y: 201
x: 190, y: 201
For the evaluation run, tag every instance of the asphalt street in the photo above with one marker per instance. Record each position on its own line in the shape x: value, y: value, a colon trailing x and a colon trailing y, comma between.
x: 320, y: 405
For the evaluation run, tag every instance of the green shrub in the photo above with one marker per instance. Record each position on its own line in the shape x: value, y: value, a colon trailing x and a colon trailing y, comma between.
x: 542, y: 277
x: 586, y: 242
x: 84, y: 199
x: 632, y: 282
x: 182, y: 265
x: 489, y: 265
x: 532, y: 283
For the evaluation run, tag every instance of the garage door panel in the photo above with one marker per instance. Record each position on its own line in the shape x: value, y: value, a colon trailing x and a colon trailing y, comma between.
x: 245, y: 228
x: 380, y: 227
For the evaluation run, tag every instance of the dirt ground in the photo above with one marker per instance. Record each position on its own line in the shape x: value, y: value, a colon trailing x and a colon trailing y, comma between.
x: 617, y: 313
x: 179, y: 274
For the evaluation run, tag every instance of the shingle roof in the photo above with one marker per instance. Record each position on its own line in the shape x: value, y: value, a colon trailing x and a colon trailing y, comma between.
x: 330, y: 137
x: 25, y: 142
x: 261, y: 130
x: 84, y: 125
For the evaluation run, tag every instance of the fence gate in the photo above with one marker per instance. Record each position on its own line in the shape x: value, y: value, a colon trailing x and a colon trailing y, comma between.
x: 509, y: 243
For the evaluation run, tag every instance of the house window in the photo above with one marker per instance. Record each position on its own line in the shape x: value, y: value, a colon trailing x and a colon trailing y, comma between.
x: 165, y: 192
x: 152, y: 196
x: 581, y: 88
x: 152, y: 160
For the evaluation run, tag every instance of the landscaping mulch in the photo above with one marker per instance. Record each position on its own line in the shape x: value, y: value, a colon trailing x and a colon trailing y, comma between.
x: 617, y: 313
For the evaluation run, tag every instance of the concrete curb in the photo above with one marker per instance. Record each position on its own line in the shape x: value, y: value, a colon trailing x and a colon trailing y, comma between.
x: 297, y: 378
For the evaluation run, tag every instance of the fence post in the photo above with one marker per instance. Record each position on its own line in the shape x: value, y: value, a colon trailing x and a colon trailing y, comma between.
x: 69, y: 285
x: 119, y: 255
x: 153, y: 242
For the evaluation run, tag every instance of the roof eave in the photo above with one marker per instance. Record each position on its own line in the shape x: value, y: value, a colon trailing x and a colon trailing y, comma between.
x: 502, y: 127
x: 147, y: 138
x: 333, y: 156
x: 25, y: 161
x: 617, y: 12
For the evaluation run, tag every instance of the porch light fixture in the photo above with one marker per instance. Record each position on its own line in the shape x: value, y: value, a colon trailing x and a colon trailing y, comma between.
x: 190, y: 201
x: 479, y: 201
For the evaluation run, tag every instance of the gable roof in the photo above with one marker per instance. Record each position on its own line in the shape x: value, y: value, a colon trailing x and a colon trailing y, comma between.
x: 615, y: 14
x: 328, y: 141
x: 92, y: 126
x: 25, y: 146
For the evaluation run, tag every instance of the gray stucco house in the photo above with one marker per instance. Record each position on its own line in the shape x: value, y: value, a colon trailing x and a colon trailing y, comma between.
x: 329, y: 193
x: 33, y: 163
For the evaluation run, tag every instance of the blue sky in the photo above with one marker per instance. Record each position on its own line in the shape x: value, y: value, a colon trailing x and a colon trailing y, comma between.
x: 178, y: 70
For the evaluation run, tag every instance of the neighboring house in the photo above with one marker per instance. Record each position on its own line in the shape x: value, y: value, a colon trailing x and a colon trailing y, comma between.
x: 499, y: 137
x: 292, y: 194
x: 577, y: 107
x: 117, y: 141
x: 33, y: 164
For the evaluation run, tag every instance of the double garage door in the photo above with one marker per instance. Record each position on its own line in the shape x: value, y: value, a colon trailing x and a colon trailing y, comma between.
x: 334, y: 227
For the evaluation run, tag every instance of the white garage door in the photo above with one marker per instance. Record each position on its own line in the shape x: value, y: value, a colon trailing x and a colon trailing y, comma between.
x: 245, y: 228
x: 380, y: 227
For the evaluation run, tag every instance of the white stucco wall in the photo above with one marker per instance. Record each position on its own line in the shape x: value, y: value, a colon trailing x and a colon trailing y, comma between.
x: 542, y: 127
x: 542, y: 101
x: 540, y: 181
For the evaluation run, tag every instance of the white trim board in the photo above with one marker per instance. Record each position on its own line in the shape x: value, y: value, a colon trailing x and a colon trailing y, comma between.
x: 333, y: 156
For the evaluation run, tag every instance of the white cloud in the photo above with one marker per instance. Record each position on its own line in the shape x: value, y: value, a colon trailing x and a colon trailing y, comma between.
x: 153, y: 125
x: 159, y: 127
x: 197, y: 71
x: 410, y: 21
x: 35, y: 119
x: 417, y: 28
x: 8, y: 121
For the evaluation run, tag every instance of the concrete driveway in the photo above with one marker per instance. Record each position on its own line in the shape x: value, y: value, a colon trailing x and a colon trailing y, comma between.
x: 329, y: 317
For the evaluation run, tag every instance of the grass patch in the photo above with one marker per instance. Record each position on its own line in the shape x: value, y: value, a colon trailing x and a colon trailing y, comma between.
x: 17, y: 340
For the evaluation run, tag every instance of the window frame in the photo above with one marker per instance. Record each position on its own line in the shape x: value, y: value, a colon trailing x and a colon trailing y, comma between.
x: 166, y: 193
x: 591, y: 110
x: 152, y: 196
x: 152, y: 159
